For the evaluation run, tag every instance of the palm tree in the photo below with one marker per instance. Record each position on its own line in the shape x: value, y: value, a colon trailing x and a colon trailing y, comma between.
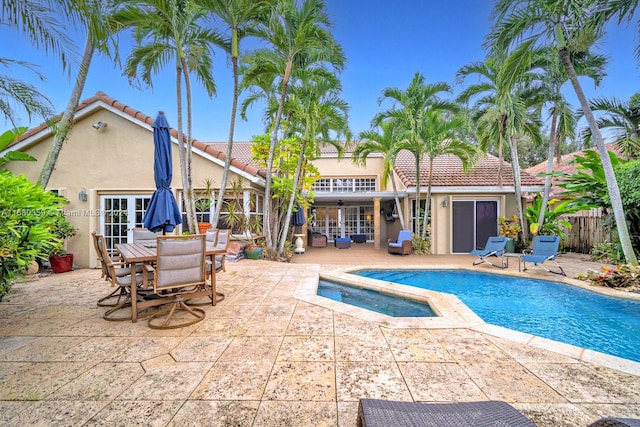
x: 239, y: 17
x: 167, y: 30
x: 17, y: 93
x: 622, y: 120
x: 563, y: 120
x: 372, y: 141
x: 407, y: 112
x: 317, y: 116
x: 439, y: 138
x: 572, y: 27
x: 293, y: 33
x: 505, y: 102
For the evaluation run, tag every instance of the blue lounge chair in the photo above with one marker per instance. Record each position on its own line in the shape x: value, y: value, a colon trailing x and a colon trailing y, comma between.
x: 545, y: 248
x: 402, y: 245
x: 493, y: 248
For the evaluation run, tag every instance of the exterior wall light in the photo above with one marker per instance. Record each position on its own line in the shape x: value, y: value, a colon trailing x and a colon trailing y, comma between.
x: 99, y: 125
x: 82, y: 195
x: 445, y: 203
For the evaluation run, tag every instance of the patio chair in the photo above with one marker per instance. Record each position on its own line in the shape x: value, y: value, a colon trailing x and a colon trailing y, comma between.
x: 145, y: 236
x: 616, y: 422
x: 317, y: 240
x: 376, y: 412
x: 221, y: 242
x: 545, y: 248
x: 402, y: 245
x: 119, y: 277
x: 493, y: 248
x: 179, y: 272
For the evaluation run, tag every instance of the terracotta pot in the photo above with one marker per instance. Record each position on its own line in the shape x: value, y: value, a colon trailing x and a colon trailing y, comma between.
x: 203, y: 227
x: 61, y: 263
x: 253, y: 251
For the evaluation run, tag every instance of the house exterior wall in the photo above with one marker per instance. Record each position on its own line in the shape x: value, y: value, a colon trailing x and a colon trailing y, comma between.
x: 116, y: 160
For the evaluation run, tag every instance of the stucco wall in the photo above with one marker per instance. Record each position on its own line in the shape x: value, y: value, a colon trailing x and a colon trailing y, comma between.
x: 117, y: 159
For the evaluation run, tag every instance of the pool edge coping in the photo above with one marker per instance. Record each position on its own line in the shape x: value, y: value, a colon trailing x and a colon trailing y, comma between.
x: 452, y: 312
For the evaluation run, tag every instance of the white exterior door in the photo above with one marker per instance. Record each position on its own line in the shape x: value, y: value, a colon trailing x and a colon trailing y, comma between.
x: 119, y: 216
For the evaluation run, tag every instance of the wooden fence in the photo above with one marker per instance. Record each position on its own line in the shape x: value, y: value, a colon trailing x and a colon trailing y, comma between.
x: 584, y: 233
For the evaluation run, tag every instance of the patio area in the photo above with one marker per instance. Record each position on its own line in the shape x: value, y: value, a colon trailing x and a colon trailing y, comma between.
x: 263, y: 357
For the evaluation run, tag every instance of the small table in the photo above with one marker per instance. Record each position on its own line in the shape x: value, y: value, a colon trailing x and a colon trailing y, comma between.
x: 508, y: 255
x: 359, y: 238
x: 342, y: 242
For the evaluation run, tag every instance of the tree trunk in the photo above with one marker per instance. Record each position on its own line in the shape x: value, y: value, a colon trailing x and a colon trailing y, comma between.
x: 398, y: 205
x: 191, y: 206
x: 292, y: 198
x: 227, y: 160
x: 417, y: 209
x: 517, y: 185
x: 63, y: 127
x: 182, y: 151
x: 553, y: 136
x: 612, y: 183
x: 272, y: 148
x: 427, y: 203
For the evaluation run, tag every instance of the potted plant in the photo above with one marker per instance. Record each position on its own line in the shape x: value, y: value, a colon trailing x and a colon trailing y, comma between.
x: 241, y: 221
x: 509, y: 228
x: 59, y: 259
x: 203, y: 205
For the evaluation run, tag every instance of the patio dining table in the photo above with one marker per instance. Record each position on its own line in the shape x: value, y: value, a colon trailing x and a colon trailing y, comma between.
x: 139, y: 253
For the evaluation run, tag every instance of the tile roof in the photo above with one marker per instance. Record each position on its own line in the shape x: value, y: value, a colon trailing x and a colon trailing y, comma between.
x: 564, y: 166
x: 239, y: 163
x: 447, y: 172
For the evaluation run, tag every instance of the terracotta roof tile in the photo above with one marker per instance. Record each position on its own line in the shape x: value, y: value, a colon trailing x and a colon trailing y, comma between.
x: 239, y: 163
x: 447, y: 172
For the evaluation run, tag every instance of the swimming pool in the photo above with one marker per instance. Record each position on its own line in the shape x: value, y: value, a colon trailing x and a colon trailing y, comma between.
x: 368, y: 299
x: 547, y: 309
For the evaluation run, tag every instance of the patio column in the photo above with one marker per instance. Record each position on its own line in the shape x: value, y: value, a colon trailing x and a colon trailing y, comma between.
x: 376, y: 222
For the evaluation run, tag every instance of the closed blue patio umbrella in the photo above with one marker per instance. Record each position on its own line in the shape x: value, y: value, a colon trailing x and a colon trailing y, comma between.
x: 163, y: 213
x: 298, y: 219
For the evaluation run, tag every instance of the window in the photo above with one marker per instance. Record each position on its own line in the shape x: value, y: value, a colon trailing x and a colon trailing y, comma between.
x: 344, y: 185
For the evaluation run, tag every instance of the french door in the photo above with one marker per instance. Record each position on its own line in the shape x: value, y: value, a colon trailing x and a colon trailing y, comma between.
x: 344, y: 221
x: 474, y: 221
x: 119, y: 216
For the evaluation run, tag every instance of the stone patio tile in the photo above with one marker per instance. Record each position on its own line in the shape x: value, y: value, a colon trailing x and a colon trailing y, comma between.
x: 97, y: 326
x: 470, y: 347
x: 234, y: 381
x: 252, y: 349
x: 219, y: 327
x: 306, y: 381
x: 144, y: 348
x: 266, y: 326
x: 268, y: 309
x: 619, y: 410
x: 511, y: 382
x: 312, y: 324
x: 417, y: 345
x: 36, y: 380
x: 56, y: 413
x: 105, y: 381
x: 350, y: 326
x: 347, y: 414
x: 376, y: 380
x: 301, y: 348
x: 136, y: 413
x: 279, y: 414
x: 231, y: 310
x: 439, y: 382
x: 526, y: 353
x: 9, y: 346
x: 200, y: 349
x: 362, y: 348
x: 211, y: 413
x: 554, y: 414
x: 166, y: 379
x: 583, y: 384
x: 49, y: 349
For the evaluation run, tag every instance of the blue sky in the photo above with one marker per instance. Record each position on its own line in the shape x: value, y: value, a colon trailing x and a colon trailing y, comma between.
x: 385, y: 44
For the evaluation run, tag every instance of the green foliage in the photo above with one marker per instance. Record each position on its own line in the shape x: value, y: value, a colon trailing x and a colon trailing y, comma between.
x: 421, y: 246
x: 629, y: 185
x: 509, y: 227
x: 5, y: 140
x: 29, y: 219
x: 607, y: 252
x: 621, y: 276
x: 553, y: 224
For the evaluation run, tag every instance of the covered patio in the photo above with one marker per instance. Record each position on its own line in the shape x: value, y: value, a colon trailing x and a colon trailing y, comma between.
x: 263, y: 357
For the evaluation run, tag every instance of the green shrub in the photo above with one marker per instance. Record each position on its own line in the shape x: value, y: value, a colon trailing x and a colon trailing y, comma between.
x: 420, y: 246
x: 28, y: 216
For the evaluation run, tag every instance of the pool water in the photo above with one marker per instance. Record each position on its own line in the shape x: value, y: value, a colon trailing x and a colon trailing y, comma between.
x: 373, y: 300
x: 547, y: 309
